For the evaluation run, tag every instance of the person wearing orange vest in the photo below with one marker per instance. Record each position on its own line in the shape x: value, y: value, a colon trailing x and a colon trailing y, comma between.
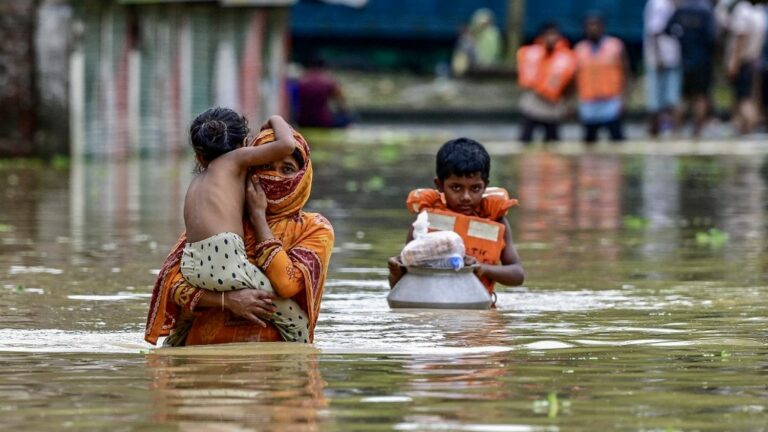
x: 545, y: 71
x: 465, y: 204
x: 601, y: 80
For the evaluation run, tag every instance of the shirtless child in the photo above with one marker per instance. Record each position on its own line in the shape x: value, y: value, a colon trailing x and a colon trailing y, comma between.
x: 214, y: 257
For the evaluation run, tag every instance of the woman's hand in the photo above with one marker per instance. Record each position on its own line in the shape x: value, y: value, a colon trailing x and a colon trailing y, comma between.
x: 255, y: 198
x: 250, y: 304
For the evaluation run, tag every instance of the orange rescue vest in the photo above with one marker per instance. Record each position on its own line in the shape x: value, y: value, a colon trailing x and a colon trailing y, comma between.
x: 548, y: 75
x: 600, y: 73
x: 484, y: 238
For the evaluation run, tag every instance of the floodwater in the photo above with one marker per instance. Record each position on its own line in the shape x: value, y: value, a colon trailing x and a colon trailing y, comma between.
x: 644, y: 306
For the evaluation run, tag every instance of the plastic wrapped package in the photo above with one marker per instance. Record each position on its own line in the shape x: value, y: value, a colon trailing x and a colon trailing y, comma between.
x: 441, y: 249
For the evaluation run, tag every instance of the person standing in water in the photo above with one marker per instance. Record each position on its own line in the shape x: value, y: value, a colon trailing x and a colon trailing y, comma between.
x: 214, y: 257
x: 601, y: 80
x: 545, y: 71
x: 463, y: 196
x: 292, y: 247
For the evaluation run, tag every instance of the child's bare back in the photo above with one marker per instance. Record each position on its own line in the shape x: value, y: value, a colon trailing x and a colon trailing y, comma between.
x: 214, y: 200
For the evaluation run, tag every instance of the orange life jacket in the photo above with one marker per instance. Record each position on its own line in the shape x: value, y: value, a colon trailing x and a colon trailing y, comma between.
x: 483, y: 236
x: 548, y: 75
x: 600, y: 73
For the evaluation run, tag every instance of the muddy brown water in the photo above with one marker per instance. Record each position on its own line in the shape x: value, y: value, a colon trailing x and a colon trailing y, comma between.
x: 644, y: 306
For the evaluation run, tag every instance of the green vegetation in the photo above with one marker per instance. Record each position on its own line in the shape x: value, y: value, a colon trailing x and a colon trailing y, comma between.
x: 713, y: 238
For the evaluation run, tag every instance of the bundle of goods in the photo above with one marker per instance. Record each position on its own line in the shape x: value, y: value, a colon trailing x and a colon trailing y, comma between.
x: 440, y: 249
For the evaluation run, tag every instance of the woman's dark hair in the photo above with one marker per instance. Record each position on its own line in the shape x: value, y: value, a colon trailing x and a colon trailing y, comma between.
x: 298, y: 157
x: 463, y: 157
x: 217, y: 131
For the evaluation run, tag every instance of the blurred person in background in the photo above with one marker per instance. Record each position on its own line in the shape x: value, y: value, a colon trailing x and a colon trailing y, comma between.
x: 486, y: 37
x: 662, y: 66
x: 601, y: 79
x: 320, y: 99
x: 693, y: 24
x: 745, y: 25
x: 545, y: 71
x: 478, y: 45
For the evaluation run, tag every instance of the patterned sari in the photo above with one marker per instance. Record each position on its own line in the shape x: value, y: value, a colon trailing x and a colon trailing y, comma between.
x: 297, y: 257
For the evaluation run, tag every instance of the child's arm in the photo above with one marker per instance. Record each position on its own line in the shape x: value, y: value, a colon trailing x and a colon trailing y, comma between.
x: 284, y: 144
x: 510, y: 271
x: 396, y: 268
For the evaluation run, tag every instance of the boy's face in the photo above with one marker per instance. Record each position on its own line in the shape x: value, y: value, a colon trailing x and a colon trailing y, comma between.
x: 462, y: 194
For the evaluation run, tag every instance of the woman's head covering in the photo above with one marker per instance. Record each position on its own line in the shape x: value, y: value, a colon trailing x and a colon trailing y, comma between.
x: 286, y: 195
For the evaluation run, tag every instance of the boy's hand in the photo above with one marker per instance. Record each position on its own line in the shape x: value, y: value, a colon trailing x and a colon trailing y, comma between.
x: 255, y: 198
x: 469, y: 261
x: 395, y: 264
x: 396, y: 270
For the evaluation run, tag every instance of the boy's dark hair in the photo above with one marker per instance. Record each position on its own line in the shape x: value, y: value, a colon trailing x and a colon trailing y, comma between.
x: 463, y: 157
x: 217, y: 131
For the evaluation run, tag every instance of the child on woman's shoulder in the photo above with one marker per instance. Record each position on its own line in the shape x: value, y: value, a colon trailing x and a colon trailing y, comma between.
x: 464, y: 203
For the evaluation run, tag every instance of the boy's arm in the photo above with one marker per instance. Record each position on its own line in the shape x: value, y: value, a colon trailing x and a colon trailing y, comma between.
x: 284, y: 144
x: 396, y: 269
x: 510, y: 271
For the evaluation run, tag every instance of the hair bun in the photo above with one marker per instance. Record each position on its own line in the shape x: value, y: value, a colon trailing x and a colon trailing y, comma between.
x: 213, y: 129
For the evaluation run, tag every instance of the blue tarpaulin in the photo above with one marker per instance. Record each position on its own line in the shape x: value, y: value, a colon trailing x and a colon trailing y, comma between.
x: 441, y: 19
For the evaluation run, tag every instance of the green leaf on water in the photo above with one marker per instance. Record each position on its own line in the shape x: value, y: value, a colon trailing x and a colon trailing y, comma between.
x: 713, y: 238
x: 351, y: 186
x: 19, y: 288
x: 5, y: 228
x: 60, y: 162
x: 374, y: 184
x: 554, y: 404
x: 725, y: 353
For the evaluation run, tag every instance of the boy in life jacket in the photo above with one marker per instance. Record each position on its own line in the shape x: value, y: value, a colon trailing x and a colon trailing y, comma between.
x: 464, y: 203
x: 601, y: 80
x: 545, y: 71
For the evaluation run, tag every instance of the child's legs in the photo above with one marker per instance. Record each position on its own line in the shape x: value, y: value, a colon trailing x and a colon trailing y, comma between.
x: 220, y: 263
x: 289, y: 318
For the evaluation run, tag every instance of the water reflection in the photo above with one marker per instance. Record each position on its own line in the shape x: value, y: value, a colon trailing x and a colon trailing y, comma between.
x: 242, y: 389
x: 661, y: 209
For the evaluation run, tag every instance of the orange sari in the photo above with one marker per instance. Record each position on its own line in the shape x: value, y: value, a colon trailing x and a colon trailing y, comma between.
x: 297, y: 257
